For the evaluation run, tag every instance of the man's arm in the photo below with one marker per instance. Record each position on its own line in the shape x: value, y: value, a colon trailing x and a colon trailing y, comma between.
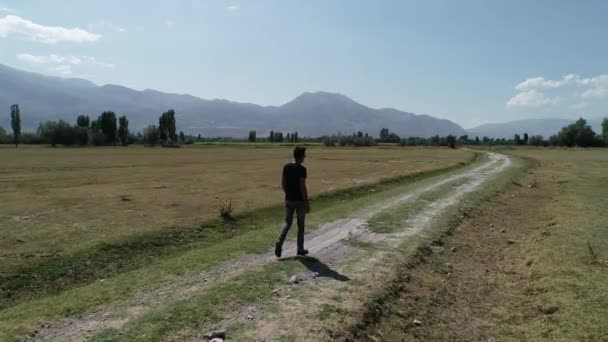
x: 284, y: 183
x: 304, y: 194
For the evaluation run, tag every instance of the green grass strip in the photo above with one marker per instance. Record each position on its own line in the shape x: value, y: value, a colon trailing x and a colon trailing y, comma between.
x: 186, y: 318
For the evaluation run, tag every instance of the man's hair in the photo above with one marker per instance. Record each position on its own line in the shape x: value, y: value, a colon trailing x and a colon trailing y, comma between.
x: 299, y: 152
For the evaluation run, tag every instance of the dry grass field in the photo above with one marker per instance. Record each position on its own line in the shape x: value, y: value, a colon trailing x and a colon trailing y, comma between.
x: 531, y: 264
x: 83, y: 230
x: 87, y: 228
x: 57, y: 201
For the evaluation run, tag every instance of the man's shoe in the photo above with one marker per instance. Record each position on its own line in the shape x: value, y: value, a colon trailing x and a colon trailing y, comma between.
x: 303, y: 252
x: 277, y: 250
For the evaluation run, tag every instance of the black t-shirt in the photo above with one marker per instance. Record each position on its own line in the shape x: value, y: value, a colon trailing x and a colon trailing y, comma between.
x: 292, y: 173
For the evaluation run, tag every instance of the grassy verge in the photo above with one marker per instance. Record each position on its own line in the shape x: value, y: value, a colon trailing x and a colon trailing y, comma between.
x: 182, y: 249
x: 185, y: 318
x: 415, y: 252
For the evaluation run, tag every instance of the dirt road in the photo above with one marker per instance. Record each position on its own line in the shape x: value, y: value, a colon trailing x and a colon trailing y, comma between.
x: 326, y: 243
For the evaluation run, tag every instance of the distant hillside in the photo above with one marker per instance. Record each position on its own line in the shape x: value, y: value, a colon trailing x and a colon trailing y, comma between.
x: 544, y: 127
x: 312, y: 114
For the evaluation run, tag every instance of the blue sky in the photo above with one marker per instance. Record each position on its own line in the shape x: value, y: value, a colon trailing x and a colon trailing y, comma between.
x: 468, y: 61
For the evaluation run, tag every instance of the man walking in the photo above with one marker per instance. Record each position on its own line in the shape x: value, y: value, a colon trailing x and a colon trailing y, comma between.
x: 296, y: 200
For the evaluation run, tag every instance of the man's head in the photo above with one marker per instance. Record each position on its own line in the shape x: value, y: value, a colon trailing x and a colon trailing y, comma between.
x: 299, y: 154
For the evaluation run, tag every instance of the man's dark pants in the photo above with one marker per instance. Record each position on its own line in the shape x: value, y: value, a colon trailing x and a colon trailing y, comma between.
x: 300, y: 209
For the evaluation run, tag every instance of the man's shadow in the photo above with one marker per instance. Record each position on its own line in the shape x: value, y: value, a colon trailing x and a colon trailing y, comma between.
x: 317, y: 266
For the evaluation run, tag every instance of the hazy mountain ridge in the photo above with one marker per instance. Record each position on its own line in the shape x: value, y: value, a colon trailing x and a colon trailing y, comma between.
x: 44, y: 98
x: 545, y: 127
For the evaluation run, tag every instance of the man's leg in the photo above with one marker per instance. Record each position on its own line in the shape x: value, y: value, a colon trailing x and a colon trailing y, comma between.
x: 301, y: 212
x: 278, y: 247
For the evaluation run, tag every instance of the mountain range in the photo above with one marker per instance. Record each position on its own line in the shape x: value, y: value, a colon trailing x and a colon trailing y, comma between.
x: 43, y: 98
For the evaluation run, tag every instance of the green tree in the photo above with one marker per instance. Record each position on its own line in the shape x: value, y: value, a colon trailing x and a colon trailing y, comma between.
x: 16, y: 124
x: 3, y: 136
x: 151, y: 135
x: 252, y: 136
x: 577, y: 134
x: 58, y: 133
x: 517, y: 139
x: 605, y: 130
x: 525, y: 139
x: 123, y: 131
x: 81, y: 135
x: 567, y: 136
x: 95, y: 128
x: 435, y: 140
x: 451, y: 140
x: 536, y: 140
x: 83, y: 121
x: 166, y: 126
x: 477, y: 141
x: 384, y: 134
x: 387, y: 137
x: 554, y: 140
x: 107, y: 127
x: 271, y: 136
x: 182, y: 137
x: 585, y: 135
x: 46, y: 131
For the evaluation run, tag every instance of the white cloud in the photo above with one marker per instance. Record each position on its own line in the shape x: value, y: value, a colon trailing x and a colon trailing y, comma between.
x: 12, y: 24
x: 50, y: 59
x: 537, y: 83
x: 530, y: 92
x: 169, y: 24
x: 531, y: 98
x: 106, y: 25
x: 600, y: 80
x: 571, y: 77
x: 598, y: 86
x: 233, y: 8
x: 63, y: 64
x: 94, y: 61
x: 62, y: 69
x: 7, y: 10
x: 595, y: 92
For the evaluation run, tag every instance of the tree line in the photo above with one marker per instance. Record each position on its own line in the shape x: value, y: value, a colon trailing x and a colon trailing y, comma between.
x: 577, y: 134
x: 108, y: 129
x: 105, y: 130
x: 278, y: 137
